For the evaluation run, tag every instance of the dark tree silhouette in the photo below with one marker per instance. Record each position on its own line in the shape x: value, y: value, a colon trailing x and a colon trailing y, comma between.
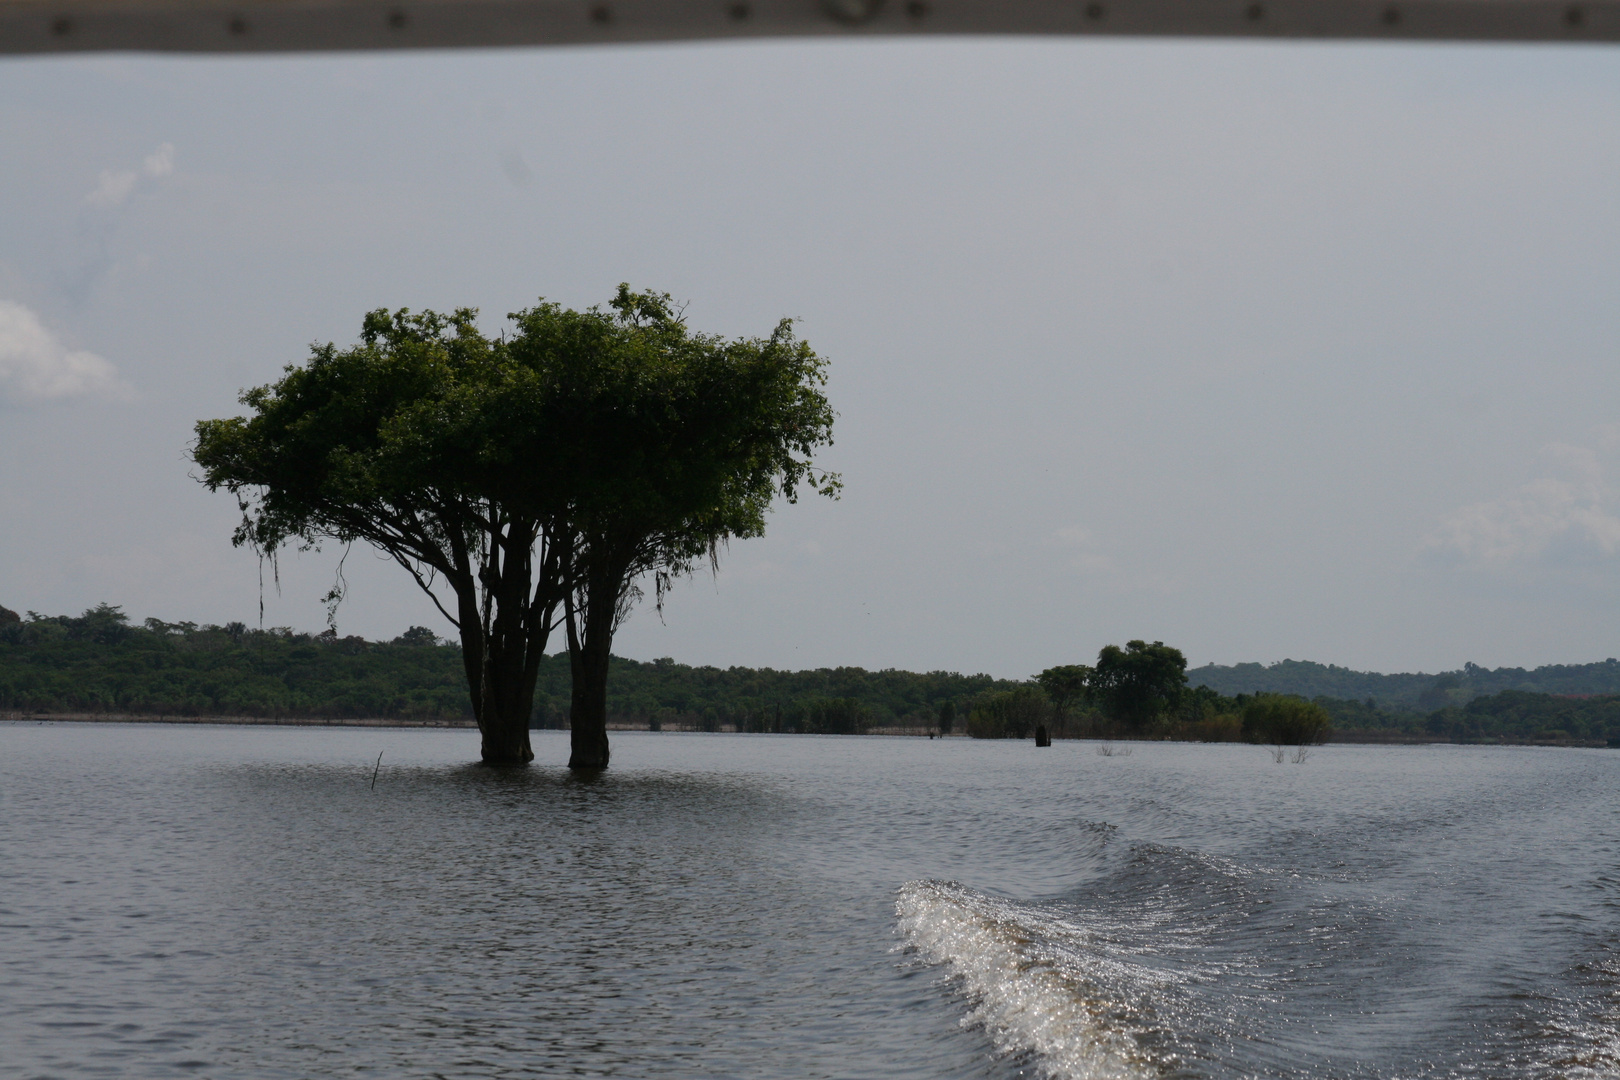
x: 537, y: 476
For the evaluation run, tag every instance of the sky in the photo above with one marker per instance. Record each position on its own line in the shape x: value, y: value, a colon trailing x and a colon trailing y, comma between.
x: 1264, y: 350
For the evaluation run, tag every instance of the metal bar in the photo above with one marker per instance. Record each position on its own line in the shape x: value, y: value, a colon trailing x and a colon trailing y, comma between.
x: 225, y: 26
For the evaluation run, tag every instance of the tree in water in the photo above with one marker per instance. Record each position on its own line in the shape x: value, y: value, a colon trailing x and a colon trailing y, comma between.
x: 1138, y: 684
x: 1065, y: 686
x: 538, y: 476
x: 678, y: 442
x: 1282, y: 720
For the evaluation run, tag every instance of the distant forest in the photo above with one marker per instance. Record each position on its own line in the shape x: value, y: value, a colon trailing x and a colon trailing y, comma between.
x: 101, y: 662
x: 1408, y: 692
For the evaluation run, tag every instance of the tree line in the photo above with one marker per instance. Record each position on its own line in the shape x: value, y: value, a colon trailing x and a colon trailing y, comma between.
x: 1141, y: 691
x: 1411, y: 692
x: 101, y: 661
x: 1145, y: 691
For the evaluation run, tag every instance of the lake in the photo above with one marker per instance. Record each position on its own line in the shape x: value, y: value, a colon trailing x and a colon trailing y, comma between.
x: 242, y: 902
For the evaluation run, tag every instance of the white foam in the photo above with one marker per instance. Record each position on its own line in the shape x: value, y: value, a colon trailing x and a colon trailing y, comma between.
x: 1588, y: 1047
x: 1030, y: 983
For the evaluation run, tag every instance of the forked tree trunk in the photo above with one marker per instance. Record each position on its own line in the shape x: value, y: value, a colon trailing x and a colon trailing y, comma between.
x: 503, y: 644
x: 503, y: 697
x: 500, y: 680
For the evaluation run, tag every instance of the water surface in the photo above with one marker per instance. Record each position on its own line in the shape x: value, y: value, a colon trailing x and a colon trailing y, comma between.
x: 240, y: 902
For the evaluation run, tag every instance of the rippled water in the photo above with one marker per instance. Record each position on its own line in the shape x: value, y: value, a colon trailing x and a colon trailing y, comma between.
x: 241, y: 903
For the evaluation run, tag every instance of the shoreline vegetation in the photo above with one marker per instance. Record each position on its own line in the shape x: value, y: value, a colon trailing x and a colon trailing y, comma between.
x: 99, y: 666
x: 1356, y: 737
x: 396, y: 723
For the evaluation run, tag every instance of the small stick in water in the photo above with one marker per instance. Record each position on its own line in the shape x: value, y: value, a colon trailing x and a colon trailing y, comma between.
x: 374, y: 771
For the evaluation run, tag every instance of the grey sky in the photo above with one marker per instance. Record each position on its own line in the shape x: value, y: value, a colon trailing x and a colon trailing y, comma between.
x: 1264, y: 350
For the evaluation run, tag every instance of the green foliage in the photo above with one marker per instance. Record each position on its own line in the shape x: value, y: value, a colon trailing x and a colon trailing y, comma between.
x: 679, y: 442
x: 417, y: 635
x: 1008, y: 714
x: 1285, y: 721
x: 97, y: 662
x: 101, y: 662
x: 947, y: 717
x: 1065, y: 687
x: 395, y: 435
x: 57, y: 664
x: 1410, y: 692
x: 1137, y: 685
x: 1202, y: 715
x: 1517, y: 714
x: 763, y: 699
x: 1368, y: 718
x: 547, y: 468
x: 833, y: 716
x: 679, y: 438
x: 435, y: 445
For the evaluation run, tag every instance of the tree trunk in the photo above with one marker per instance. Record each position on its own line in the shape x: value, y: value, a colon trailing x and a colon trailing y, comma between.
x: 589, y: 705
x: 506, y: 740
x: 502, y: 702
x: 503, y: 642
x: 590, y: 646
x: 501, y: 683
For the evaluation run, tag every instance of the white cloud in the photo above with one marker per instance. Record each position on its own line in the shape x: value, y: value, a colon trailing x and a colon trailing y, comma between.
x: 160, y: 162
x: 35, y: 365
x: 115, y: 187
x: 1572, y: 512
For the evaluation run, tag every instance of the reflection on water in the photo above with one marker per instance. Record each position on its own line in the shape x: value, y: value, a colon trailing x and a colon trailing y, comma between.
x: 240, y: 902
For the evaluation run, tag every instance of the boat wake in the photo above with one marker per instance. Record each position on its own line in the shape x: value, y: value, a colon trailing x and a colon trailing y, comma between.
x: 1042, y: 987
x: 1206, y: 973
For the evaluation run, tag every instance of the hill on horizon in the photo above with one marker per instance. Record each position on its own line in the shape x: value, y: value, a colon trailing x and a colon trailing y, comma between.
x: 1413, y: 691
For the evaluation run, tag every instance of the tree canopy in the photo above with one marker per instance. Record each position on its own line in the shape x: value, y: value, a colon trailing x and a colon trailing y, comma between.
x: 678, y: 442
x: 536, y: 475
x: 1285, y: 721
x: 1065, y: 686
x: 1139, y: 683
